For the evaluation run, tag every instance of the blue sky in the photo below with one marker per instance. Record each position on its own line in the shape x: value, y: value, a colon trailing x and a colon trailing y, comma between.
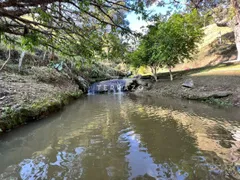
x: 136, y: 24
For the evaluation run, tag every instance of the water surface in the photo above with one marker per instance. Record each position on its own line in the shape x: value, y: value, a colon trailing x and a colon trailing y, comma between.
x: 122, y: 137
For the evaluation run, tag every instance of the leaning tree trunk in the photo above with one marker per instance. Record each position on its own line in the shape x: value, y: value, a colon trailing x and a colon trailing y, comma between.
x: 237, y: 26
x: 4, y: 64
x: 237, y: 39
x: 154, y: 72
x: 224, y: 22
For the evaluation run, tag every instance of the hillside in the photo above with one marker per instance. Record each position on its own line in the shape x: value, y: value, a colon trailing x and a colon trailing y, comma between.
x: 215, y: 79
x: 42, y: 86
x: 211, y: 52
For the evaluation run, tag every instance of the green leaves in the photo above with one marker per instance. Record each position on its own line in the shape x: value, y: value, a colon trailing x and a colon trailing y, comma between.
x: 71, y: 28
x: 179, y: 37
x: 170, y: 42
x: 30, y: 41
x: 43, y: 16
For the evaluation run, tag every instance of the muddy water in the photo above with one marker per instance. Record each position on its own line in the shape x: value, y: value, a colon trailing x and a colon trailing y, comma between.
x: 123, y: 137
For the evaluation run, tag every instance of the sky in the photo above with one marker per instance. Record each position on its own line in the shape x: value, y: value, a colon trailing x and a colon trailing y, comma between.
x: 135, y: 24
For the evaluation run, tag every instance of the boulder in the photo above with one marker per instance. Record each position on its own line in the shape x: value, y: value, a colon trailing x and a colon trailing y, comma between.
x: 188, y: 83
x: 139, y: 89
x: 82, y: 83
x: 129, y: 73
x: 141, y: 82
x: 133, y: 83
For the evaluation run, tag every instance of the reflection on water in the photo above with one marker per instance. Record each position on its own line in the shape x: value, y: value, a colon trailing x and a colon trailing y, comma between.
x: 118, y: 137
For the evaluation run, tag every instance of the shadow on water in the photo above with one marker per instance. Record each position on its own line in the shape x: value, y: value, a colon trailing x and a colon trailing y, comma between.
x: 231, y: 114
x: 115, y: 137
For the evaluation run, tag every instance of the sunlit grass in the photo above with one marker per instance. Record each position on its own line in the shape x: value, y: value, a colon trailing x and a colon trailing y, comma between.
x: 212, y: 33
x: 221, y: 69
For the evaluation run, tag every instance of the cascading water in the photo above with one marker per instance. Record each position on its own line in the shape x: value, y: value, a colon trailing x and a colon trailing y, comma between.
x: 110, y: 86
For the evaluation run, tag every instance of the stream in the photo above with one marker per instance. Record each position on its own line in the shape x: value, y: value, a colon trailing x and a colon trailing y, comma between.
x: 120, y: 136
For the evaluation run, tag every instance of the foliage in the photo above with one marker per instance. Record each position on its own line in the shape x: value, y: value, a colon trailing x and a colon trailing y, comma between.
x: 114, y: 47
x: 169, y: 42
x: 219, y: 102
x: 223, y: 12
x: 29, y: 42
x: 70, y: 27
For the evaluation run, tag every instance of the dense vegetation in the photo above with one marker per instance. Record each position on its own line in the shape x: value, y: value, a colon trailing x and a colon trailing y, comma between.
x: 87, y: 30
x: 168, y: 42
x: 83, y: 30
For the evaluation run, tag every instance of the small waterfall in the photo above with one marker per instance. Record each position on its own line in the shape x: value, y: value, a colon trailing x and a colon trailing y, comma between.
x: 110, y: 86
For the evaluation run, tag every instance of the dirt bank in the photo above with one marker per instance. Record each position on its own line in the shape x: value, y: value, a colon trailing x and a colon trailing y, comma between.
x: 219, y: 86
x: 33, y: 94
x: 41, y: 86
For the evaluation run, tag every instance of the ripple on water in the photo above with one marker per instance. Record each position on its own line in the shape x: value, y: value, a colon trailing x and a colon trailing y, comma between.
x: 112, y: 137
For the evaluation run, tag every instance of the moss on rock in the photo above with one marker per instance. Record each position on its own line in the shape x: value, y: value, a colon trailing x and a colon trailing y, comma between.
x: 35, y: 111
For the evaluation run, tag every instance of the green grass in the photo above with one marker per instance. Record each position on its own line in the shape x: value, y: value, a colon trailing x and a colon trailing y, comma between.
x: 221, y: 69
x: 212, y: 33
x: 219, y: 102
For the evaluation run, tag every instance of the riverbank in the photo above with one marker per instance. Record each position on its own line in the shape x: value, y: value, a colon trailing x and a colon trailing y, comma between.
x: 33, y: 94
x: 217, y: 85
x: 39, y: 84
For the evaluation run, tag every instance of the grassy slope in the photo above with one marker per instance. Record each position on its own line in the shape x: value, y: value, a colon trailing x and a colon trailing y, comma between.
x: 208, y: 71
x: 210, y: 52
x: 211, y: 57
x: 212, y: 33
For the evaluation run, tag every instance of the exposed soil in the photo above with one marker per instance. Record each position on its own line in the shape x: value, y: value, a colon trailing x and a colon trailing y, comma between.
x: 216, y: 86
x: 16, y: 89
x: 38, y: 91
x: 42, y: 86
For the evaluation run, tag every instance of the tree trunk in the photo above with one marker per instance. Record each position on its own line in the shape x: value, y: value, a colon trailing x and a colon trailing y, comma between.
x: 44, y: 55
x: 21, y: 60
x: 237, y: 26
x: 107, y: 54
x: 52, y: 57
x: 237, y: 39
x: 154, y: 72
x: 170, y: 73
x: 204, y: 21
x: 9, y: 55
x: 155, y: 77
x: 220, y: 37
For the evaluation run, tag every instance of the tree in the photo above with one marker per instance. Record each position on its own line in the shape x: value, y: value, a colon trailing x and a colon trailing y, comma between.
x: 169, y: 42
x: 144, y: 54
x: 230, y: 16
x: 71, y: 27
x: 115, y: 47
x: 225, y: 13
x: 179, y: 36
